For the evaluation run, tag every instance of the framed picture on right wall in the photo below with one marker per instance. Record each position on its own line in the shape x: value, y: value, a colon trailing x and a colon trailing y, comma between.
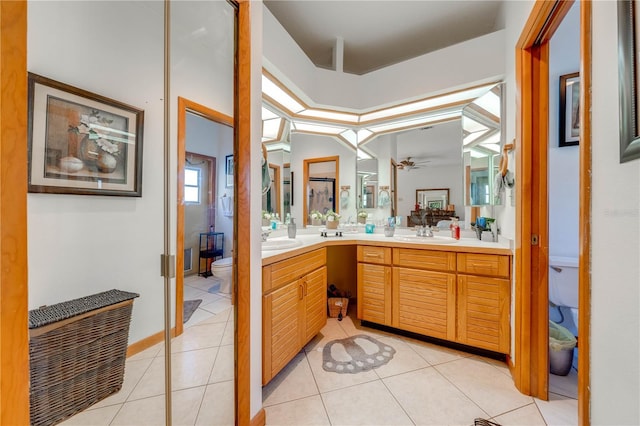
x: 228, y: 171
x: 569, y: 127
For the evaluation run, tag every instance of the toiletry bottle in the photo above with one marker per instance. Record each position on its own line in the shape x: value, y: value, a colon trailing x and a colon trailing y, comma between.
x: 291, y: 228
x: 455, y: 229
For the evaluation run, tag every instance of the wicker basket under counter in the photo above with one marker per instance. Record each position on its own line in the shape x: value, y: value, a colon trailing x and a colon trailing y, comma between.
x: 77, y: 353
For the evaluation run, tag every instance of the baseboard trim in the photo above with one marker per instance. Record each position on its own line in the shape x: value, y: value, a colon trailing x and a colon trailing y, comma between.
x: 260, y: 419
x: 147, y: 342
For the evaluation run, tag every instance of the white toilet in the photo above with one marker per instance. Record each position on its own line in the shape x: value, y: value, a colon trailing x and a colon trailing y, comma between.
x: 563, y: 284
x: 223, y: 269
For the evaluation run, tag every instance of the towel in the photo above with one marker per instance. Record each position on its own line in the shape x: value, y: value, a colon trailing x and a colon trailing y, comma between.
x: 498, y: 188
x: 500, y: 183
x: 227, y: 205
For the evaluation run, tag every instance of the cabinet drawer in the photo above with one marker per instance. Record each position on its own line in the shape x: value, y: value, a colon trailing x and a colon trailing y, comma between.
x: 483, y: 264
x: 281, y: 273
x: 369, y: 254
x: 425, y: 259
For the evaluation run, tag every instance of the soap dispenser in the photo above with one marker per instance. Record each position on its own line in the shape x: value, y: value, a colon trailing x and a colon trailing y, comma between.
x: 455, y: 228
x: 291, y: 228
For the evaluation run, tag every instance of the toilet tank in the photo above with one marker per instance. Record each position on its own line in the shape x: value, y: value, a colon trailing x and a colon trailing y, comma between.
x: 563, y: 281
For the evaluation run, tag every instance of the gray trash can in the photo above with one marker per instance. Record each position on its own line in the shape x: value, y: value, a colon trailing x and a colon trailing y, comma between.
x: 561, y: 345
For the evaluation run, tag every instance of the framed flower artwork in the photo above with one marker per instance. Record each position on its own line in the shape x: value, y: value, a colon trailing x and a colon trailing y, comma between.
x: 81, y: 142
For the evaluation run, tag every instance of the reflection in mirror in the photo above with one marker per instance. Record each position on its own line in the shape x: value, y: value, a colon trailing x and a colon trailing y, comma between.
x: 286, y: 190
x: 276, y: 198
x: 271, y: 198
x: 482, y: 142
x: 367, y: 181
x: 428, y: 156
x: 433, y: 198
x: 393, y: 178
x: 311, y: 148
x: 321, y: 180
x: 437, y: 154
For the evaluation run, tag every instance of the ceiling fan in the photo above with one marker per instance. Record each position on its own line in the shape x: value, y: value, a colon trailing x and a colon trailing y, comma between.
x: 408, y: 164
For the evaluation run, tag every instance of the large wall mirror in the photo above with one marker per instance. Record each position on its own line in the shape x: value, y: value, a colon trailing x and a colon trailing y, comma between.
x: 321, y: 180
x: 461, y: 154
x: 366, y: 181
x: 482, y: 138
x: 271, y: 198
x: 277, y: 199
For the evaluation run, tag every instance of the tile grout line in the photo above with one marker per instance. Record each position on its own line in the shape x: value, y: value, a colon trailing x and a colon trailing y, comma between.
x: 461, y: 391
x: 544, y: 419
x: 133, y: 389
x: 396, y: 399
x: 315, y: 382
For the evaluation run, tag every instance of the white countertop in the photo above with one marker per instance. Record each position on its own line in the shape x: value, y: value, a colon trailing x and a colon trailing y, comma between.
x: 310, y: 237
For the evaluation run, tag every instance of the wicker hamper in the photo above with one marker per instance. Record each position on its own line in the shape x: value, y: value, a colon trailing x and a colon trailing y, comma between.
x: 77, y: 352
x: 337, y: 304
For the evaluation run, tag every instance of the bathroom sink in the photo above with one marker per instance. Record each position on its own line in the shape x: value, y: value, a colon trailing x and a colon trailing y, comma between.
x: 280, y: 244
x: 425, y: 240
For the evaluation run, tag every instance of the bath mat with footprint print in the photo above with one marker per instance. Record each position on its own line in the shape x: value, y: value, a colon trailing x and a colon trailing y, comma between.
x: 355, y: 354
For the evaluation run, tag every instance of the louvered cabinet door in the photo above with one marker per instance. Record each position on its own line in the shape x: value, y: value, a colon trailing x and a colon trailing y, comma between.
x: 483, y: 312
x: 424, y: 302
x: 374, y: 293
x: 315, y: 303
x: 282, y: 327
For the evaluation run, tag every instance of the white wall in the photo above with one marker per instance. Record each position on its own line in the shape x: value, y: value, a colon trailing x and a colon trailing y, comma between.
x: 515, y: 16
x: 475, y: 61
x: 564, y: 163
x: 615, y: 252
x: 80, y: 245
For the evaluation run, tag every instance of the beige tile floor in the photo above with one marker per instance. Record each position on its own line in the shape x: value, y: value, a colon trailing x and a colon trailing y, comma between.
x: 424, y: 384
x: 202, y: 372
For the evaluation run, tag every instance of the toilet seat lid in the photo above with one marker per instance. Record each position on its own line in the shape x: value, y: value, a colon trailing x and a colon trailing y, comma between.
x: 227, y: 261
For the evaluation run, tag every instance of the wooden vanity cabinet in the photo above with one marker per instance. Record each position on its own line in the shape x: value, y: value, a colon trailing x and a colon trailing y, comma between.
x: 484, y: 301
x: 294, y: 308
x: 374, y: 284
x: 424, y: 292
x: 456, y: 296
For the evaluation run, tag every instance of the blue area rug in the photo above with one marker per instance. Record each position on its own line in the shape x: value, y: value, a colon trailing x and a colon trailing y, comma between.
x: 190, y: 307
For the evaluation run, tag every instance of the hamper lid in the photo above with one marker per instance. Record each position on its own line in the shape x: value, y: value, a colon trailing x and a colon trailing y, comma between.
x: 63, y: 310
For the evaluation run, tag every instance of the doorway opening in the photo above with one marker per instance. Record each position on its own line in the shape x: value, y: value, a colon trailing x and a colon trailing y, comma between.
x: 531, y: 364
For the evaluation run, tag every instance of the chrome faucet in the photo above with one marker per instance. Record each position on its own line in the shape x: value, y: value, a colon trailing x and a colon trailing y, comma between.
x: 265, y: 234
x: 424, y: 231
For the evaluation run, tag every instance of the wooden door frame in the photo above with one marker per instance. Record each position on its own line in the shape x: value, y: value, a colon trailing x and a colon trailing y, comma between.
x: 185, y: 106
x: 14, y: 336
x: 530, y: 368
x: 305, y: 178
